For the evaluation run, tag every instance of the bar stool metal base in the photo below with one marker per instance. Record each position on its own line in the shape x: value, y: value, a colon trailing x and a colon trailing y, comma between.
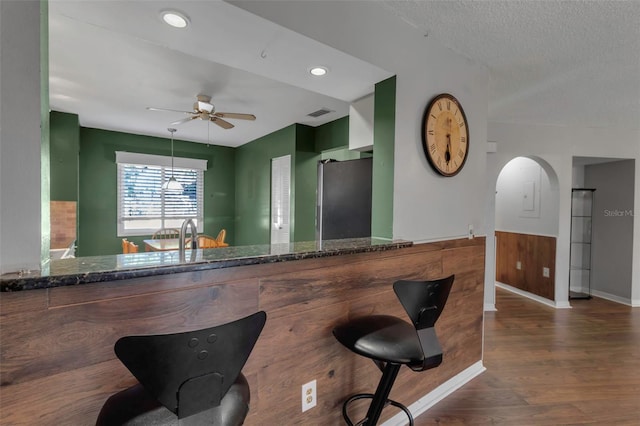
x: 380, y: 399
x: 370, y: 395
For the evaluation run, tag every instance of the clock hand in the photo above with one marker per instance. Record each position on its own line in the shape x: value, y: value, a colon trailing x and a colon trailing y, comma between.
x: 447, y: 154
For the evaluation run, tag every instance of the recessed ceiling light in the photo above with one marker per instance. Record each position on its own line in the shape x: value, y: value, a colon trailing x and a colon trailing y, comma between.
x: 175, y: 18
x: 318, y: 71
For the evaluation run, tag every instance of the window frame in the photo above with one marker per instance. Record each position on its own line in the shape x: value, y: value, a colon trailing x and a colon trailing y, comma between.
x: 124, y: 159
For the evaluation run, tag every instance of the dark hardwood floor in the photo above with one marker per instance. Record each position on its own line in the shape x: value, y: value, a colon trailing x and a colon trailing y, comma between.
x: 577, y: 366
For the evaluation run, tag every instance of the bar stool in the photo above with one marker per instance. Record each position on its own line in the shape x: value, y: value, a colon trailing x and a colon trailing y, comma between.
x: 189, y: 378
x: 392, y: 342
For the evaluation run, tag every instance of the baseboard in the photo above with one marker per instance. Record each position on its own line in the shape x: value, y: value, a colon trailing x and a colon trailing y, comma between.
x: 613, y: 298
x: 532, y: 296
x: 437, y: 395
x: 490, y: 307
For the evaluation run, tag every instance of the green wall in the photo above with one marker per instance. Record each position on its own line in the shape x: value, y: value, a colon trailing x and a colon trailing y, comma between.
x: 334, y: 134
x: 253, y: 184
x: 65, y: 149
x: 237, y: 182
x: 384, y: 127
x: 306, y: 179
x: 305, y: 144
x: 98, y: 187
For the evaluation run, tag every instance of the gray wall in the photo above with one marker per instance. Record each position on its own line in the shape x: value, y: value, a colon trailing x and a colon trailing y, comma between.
x: 22, y: 153
x: 612, y: 227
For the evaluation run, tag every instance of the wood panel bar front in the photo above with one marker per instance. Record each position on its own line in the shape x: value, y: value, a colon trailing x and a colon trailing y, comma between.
x: 58, y: 365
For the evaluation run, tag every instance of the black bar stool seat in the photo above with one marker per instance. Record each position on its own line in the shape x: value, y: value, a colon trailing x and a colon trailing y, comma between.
x: 392, y: 342
x: 370, y: 337
x: 189, y: 378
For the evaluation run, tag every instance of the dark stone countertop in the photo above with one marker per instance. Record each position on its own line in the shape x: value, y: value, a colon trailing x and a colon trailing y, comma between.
x: 94, y: 269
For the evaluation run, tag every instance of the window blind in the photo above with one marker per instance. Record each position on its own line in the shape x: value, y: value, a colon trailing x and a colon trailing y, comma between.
x: 144, y: 207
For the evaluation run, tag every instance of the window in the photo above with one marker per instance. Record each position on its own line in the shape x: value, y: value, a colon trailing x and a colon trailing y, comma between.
x: 144, y: 207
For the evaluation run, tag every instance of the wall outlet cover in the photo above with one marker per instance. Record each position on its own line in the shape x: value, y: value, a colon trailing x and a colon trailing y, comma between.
x: 309, y: 396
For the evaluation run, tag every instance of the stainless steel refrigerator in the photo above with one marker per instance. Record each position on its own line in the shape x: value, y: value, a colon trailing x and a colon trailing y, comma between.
x: 344, y: 199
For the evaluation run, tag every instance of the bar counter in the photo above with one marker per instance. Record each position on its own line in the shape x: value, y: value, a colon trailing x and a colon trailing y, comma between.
x: 58, y: 367
x: 84, y: 270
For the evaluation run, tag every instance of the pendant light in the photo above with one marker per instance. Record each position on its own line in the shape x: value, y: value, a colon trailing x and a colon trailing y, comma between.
x: 172, y: 184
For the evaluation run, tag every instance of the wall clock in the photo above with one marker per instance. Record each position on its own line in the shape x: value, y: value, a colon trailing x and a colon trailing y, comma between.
x: 445, y: 135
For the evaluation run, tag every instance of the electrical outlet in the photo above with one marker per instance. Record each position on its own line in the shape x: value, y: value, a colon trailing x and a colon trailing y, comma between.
x: 545, y: 272
x: 518, y: 265
x: 471, y: 232
x: 309, y: 395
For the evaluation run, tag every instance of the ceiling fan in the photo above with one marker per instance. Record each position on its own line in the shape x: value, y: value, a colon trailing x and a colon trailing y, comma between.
x: 205, y: 110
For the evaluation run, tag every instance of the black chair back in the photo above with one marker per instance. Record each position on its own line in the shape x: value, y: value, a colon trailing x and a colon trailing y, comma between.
x: 174, y: 368
x: 424, y: 301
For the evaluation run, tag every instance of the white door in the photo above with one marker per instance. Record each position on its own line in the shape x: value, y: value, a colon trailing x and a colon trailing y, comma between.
x: 280, y: 199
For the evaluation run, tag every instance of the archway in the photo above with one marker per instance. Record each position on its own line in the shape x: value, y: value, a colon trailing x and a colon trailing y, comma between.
x: 526, y: 220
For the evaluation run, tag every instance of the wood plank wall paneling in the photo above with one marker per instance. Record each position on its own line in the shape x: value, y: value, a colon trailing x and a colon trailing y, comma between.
x: 534, y: 252
x: 58, y: 367
x: 63, y: 223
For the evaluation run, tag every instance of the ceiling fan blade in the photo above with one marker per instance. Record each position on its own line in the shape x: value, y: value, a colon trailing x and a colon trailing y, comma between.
x: 169, y: 110
x: 183, y: 120
x: 220, y: 122
x: 235, y: 115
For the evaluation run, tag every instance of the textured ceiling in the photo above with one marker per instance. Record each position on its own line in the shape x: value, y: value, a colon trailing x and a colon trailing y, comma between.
x: 550, y: 62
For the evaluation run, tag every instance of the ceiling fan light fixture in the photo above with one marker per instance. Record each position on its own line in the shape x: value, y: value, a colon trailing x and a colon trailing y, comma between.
x: 318, y: 71
x: 205, y: 106
x: 174, y: 18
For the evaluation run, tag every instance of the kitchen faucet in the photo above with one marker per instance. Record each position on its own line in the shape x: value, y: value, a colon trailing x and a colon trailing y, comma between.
x: 188, y: 223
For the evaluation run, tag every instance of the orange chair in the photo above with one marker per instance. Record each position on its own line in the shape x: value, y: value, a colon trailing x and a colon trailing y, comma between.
x: 205, y: 241
x: 129, y: 246
x: 220, y: 238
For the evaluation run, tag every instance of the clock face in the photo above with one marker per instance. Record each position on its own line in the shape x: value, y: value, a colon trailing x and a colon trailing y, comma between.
x: 445, y: 135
